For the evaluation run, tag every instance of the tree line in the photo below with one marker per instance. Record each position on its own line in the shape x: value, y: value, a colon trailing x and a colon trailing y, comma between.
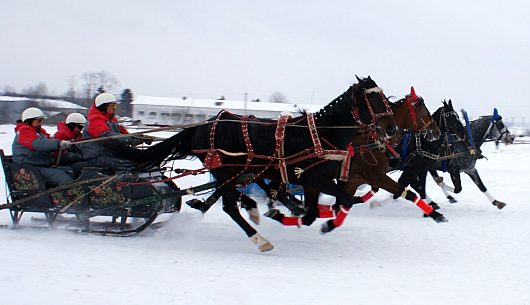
x: 81, y: 90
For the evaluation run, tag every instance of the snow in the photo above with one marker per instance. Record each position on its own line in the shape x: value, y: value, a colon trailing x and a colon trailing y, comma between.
x: 387, y: 255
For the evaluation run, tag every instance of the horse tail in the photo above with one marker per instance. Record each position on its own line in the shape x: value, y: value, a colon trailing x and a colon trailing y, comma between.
x: 176, y: 147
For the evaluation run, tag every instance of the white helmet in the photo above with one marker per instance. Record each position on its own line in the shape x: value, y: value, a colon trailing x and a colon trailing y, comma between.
x: 76, y: 118
x: 32, y: 113
x: 105, y: 98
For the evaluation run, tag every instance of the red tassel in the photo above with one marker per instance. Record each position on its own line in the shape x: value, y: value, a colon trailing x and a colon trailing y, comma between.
x: 427, y: 209
x: 413, y: 93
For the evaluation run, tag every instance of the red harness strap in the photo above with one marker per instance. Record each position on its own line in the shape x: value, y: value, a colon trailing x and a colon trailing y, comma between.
x: 280, y: 137
x: 213, y: 157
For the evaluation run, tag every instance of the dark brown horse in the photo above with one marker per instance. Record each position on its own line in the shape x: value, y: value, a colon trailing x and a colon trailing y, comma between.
x: 369, y: 165
x: 304, y: 151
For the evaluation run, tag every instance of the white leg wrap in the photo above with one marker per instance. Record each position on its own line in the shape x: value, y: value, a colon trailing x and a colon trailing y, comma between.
x: 490, y: 198
x: 254, y: 215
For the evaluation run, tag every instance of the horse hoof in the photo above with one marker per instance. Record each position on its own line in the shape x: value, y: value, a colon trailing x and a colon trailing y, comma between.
x: 452, y: 199
x: 266, y: 247
x: 327, y: 227
x: 499, y: 204
x: 437, y: 217
x: 263, y: 244
x: 434, y: 205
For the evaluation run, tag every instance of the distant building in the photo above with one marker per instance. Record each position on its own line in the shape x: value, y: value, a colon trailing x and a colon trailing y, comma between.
x: 11, y: 108
x: 151, y: 110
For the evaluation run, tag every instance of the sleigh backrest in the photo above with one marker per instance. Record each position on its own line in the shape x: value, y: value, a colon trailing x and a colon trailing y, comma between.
x: 23, y: 180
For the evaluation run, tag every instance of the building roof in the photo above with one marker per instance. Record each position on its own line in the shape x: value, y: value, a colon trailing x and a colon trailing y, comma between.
x: 221, y: 104
x: 49, y: 103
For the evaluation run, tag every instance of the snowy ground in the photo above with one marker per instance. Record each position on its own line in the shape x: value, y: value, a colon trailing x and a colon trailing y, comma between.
x: 388, y: 255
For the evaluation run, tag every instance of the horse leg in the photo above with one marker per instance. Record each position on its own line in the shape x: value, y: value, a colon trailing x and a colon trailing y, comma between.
x: 445, y: 189
x: 251, y: 206
x: 311, y: 201
x: 419, y: 185
x: 204, y: 206
x: 455, y: 177
x: 473, y: 174
x: 399, y: 190
x: 344, y: 200
x: 230, y: 196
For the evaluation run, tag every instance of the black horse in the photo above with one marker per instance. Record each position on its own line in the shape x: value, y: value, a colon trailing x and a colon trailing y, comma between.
x: 486, y: 128
x: 419, y: 153
x: 231, y: 146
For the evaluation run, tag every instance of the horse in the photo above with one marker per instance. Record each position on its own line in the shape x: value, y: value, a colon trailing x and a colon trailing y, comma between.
x: 369, y: 166
x: 483, y: 129
x: 305, y: 150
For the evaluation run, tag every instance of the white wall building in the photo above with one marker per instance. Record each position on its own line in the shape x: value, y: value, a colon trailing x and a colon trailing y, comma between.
x: 151, y: 110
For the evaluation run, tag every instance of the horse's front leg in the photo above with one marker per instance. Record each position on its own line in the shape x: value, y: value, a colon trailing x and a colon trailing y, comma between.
x: 445, y: 188
x: 399, y: 190
x: 230, y: 196
x: 473, y: 173
x: 455, y: 177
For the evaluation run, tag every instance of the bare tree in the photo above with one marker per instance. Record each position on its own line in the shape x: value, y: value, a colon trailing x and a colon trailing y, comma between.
x: 72, y: 91
x: 39, y: 89
x: 96, y: 80
x: 278, y: 97
x: 9, y: 90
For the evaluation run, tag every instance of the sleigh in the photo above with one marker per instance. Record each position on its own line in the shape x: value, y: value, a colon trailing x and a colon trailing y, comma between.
x: 99, y: 201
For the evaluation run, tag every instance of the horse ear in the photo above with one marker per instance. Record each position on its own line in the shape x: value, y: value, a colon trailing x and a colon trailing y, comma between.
x: 450, y: 103
x: 369, y: 77
x: 357, y: 77
x: 495, y: 112
x: 445, y: 104
x: 413, y: 93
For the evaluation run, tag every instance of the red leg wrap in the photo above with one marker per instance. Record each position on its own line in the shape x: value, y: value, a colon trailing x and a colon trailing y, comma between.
x: 323, y: 207
x: 292, y: 221
x: 326, y: 214
x: 341, y: 215
x: 422, y: 205
x: 367, y: 196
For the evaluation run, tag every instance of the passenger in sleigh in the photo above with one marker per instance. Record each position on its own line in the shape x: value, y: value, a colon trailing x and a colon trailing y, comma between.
x: 34, y: 146
x: 102, y: 122
x: 70, y: 130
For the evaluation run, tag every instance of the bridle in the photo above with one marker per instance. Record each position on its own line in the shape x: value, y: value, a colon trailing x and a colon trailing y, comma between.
x: 374, y: 117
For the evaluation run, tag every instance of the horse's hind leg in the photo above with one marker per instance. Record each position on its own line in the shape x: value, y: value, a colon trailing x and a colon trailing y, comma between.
x: 230, y: 196
x: 473, y: 173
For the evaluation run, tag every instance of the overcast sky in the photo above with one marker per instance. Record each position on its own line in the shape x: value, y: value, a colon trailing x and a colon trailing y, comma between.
x: 474, y: 52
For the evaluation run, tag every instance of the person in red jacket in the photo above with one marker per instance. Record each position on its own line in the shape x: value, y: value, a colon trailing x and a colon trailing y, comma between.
x: 70, y: 130
x: 34, y: 146
x: 102, y: 122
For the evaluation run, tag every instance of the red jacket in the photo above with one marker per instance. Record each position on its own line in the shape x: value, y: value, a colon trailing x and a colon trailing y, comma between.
x: 65, y: 133
x: 28, y: 133
x: 100, y: 122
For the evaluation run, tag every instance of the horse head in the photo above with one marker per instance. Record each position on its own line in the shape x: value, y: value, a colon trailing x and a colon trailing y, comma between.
x: 372, y: 108
x: 411, y: 114
x: 449, y: 121
x: 499, y: 132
